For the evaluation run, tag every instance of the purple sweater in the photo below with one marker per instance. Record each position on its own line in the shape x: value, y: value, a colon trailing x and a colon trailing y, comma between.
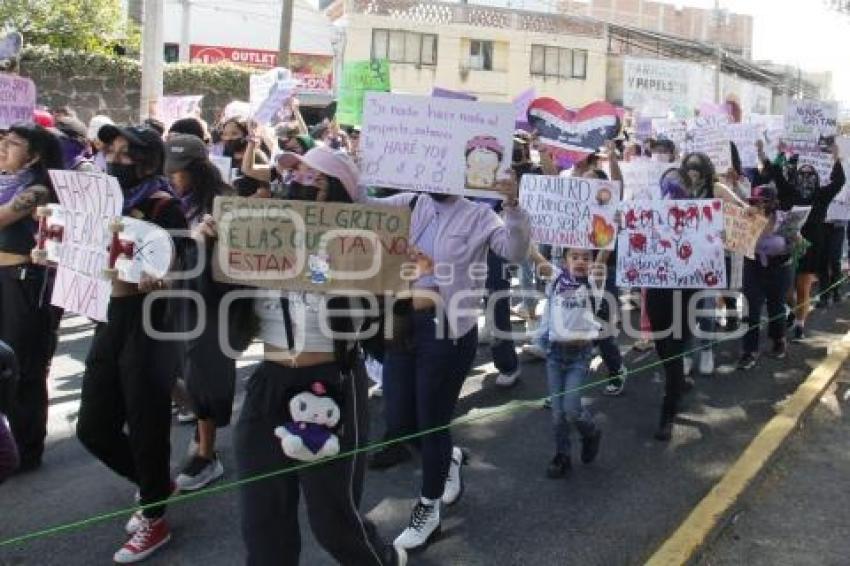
x: 8, y: 450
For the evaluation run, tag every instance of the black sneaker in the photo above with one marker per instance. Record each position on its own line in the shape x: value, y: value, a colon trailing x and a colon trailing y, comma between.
x: 747, y: 362
x: 790, y: 319
x: 559, y: 467
x: 590, y: 446
x: 780, y: 349
x: 389, y: 456
x: 616, y: 384
x: 798, y: 334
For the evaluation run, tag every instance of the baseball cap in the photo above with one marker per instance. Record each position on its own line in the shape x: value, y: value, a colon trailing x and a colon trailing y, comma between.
x: 72, y: 127
x: 328, y: 161
x: 136, y: 136
x: 181, y: 150
x: 95, y: 124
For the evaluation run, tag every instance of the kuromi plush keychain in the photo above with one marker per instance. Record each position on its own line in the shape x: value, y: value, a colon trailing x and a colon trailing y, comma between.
x: 310, y: 435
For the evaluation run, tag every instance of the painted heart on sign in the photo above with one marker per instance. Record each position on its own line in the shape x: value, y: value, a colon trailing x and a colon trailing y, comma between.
x: 569, y: 131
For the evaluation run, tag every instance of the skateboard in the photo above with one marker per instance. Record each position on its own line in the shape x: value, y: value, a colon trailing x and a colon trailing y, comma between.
x: 135, y: 246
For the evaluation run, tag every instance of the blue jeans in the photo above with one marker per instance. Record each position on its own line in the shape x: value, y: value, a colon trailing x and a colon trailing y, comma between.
x: 421, y: 389
x: 503, y: 351
x: 567, y: 368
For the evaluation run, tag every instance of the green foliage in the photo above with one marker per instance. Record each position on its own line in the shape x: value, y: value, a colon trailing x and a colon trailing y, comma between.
x: 195, y: 78
x: 83, y: 25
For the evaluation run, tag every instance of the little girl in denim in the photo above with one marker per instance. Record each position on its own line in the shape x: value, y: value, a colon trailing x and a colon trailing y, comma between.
x: 570, y: 326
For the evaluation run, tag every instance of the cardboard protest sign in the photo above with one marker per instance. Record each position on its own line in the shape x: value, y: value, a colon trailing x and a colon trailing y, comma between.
x: 577, y: 132
x: 745, y: 136
x: 642, y: 178
x: 811, y: 120
x: 435, y: 145
x: 742, y: 230
x: 438, y: 92
x: 269, y: 92
x: 771, y: 131
x: 311, y: 246
x: 673, y: 244
x: 358, y: 78
x: 89, y: 201
x: 17, y: 99
x: 173, y: 108
x: 571, y: 212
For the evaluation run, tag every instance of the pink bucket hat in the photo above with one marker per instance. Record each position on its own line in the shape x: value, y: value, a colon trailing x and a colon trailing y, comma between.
x: 328, y: 161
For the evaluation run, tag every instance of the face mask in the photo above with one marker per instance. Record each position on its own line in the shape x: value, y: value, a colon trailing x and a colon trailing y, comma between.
x: 661, y: 157
x: 297, y: 191
x: 808, y: 181
x: 126, y: 174
x: 232, y: 147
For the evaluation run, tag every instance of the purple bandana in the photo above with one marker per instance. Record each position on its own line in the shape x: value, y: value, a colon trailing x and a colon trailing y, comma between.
x: 13, y: 185
x: 140, y: 193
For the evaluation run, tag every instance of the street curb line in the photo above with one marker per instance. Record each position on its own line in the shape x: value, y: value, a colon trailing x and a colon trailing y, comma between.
x: 689, y: 538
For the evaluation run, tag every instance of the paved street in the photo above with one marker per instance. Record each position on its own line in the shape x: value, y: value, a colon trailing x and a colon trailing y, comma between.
x: 616, y: 511
x: 799, y: 513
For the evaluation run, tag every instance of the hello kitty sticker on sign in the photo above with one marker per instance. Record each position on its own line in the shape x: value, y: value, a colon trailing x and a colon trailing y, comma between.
x: 483, y: 158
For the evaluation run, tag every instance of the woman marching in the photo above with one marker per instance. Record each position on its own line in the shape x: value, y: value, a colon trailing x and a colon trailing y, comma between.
x: 27, y: 321
x: 308, y: 375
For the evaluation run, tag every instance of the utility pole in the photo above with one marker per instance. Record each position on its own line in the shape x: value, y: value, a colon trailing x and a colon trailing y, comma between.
x: 152, y: 57
x: 284, y: 42
x: 185, y: 29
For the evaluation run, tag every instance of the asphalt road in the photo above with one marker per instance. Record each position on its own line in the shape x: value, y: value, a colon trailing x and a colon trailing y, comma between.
x: 799, y: 513
x: 616, y: 511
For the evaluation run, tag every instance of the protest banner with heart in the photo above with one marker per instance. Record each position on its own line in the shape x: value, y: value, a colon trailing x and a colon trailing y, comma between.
x: 575, y: 132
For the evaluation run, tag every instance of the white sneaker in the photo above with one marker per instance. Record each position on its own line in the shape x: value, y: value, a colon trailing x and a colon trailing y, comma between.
x: 423, y: 527
x: 534, y: 350
x: 508, y: 379
x: 198, y: 473
x: 706, y: 362
x: 454, y: 480
x: 689, y: 365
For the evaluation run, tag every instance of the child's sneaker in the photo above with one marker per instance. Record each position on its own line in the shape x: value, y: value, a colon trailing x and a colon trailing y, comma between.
x: 616, y: 384
x: 590, y: 446
x: 559, y: 467
x: 151, y: 534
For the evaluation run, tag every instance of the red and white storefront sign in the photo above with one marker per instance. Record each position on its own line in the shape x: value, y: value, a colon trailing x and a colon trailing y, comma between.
x: 314, y: 71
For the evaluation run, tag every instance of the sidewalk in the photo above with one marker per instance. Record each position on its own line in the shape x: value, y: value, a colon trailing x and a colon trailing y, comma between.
x: 799, y: 512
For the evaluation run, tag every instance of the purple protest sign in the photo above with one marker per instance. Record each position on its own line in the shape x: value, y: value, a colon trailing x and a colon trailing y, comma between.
x: 17, y: 99
x: 521, y: 104
x: 438, y: 92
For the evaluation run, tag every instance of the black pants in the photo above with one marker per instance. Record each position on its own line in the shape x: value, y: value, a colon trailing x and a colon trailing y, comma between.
x: 210, y: 374
x: 128, y: 381
x: 765, y: 285
x: 667, y: 309
x: 28, y: 324
x: 331, y: 490
x: 834, y: 240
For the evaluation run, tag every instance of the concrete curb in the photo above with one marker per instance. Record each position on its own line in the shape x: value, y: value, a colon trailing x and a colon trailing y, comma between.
x: 683, y: 546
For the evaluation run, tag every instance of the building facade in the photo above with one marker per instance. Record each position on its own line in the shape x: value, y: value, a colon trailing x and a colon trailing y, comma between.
x: 489, y: 52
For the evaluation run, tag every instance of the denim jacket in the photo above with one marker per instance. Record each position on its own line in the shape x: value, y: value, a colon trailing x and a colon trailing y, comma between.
x: 466, y: 232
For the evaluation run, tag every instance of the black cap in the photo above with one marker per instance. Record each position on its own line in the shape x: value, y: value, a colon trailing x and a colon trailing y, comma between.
x: 181, y: 150
x: 136, y: 136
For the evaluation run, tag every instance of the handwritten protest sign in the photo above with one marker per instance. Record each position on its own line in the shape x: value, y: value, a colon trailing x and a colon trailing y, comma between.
x: 173, y: 108
x: 358, y: 78
x: 672, y: 244
x: 268, y: 93
x: 571, y: 212
x: 811, y: 119
x: 771, y: 131
x: 674, y: 130
x: 744, y: 136
x: 17, y: 99
x: 89, y: 201
x: 654, y: 87
x: 742, y: 230
x: 790, y: 222
x: 435, y: 145
x: 810, y: 153
x: 310, y: 246
x: 642, y: 178
x: 839, y: 209
x: 714, y: 142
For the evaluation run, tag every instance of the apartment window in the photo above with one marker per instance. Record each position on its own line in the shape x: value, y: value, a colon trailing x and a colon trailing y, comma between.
x: 399, y: 46
x: 558, y: 62
x: 171, y: 53
x: 480, y: 55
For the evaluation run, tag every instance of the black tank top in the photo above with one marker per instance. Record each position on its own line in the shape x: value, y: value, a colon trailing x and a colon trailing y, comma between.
x: 18, y: 238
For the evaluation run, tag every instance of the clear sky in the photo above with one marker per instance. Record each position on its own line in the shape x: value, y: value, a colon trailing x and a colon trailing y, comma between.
x: 797, y: 32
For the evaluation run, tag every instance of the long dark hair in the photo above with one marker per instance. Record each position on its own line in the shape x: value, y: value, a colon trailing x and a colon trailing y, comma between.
x: 206, y: 183
x: 45, y: 145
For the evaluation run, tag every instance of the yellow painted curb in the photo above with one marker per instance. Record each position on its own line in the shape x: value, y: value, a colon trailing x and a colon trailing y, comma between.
x: 692, y: 534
